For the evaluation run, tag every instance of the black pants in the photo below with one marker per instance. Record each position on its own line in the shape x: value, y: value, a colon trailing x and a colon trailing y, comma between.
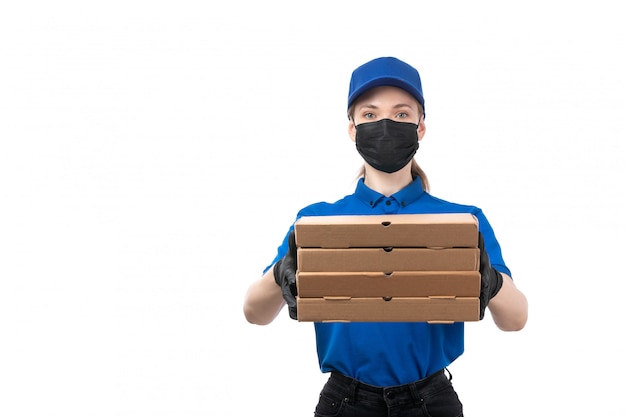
x: 433, y: 396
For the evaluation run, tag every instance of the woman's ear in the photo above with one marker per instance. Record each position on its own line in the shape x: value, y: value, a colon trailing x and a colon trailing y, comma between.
x: 421, y: 129
x: 352, y: 130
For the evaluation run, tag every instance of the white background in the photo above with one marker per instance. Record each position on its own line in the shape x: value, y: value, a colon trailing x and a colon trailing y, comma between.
x: 153, y: 154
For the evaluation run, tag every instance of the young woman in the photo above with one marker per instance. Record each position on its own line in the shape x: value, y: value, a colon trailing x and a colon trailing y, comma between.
x: 383, y: 368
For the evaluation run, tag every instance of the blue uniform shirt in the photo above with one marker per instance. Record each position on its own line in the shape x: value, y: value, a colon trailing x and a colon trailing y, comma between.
x: 387, y: 354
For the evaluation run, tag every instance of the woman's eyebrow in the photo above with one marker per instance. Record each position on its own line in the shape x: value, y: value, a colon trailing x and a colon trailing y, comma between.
x: 368, y: 106
x: 397, y: 106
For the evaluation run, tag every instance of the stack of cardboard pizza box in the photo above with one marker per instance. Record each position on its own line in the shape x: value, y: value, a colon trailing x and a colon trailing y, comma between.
x: 401, y: 267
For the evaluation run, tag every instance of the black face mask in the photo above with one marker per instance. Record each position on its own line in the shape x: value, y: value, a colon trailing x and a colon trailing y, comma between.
x: 387, y: 145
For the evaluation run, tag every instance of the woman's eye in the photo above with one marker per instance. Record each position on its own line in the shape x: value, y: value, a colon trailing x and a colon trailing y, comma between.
x: 369, y: 115
x: 402, y: 115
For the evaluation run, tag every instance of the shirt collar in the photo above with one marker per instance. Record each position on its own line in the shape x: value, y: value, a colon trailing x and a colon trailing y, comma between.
x: 405, y: 196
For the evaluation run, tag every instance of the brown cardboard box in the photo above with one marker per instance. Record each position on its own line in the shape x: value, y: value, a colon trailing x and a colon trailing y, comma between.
x: 426, y: 309
x: 396, y: 284
x: 445, y: 230
x: 388, y: 260
x: 388, y: 268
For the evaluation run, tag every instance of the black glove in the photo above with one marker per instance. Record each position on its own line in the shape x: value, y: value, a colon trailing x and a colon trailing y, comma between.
x: 490, y: 279
x: 285, y: 276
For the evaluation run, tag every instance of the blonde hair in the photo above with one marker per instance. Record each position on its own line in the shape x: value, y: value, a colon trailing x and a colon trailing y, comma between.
x: 416, y: 170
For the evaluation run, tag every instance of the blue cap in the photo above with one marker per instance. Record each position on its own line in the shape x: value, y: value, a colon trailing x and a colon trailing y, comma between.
x: 385, y: 71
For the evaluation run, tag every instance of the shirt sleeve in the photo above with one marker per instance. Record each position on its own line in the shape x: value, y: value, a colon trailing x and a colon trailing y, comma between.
x: 491, y: 243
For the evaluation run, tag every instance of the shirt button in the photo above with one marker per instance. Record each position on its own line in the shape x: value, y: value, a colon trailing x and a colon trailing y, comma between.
x: 388, y: 202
